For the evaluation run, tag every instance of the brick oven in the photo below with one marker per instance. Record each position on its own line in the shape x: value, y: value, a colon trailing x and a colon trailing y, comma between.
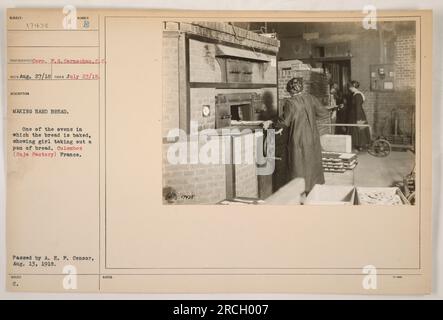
x: 216, y: 76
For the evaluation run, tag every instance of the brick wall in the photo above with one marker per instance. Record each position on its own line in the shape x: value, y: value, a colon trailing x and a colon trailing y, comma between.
x: 246, y: 182
x: 194, y: 183
x: 204, y: 66
x: 383, y: 107
x: 199, y: 98
x: 206, y: 183
x: 170, y: 114
x: 225, y: 32
x: 314, y: 83
x: 405, y: 61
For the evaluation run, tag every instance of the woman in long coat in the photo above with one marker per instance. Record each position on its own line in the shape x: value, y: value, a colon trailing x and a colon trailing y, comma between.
x: 300, y: 113
x: 356, y: 115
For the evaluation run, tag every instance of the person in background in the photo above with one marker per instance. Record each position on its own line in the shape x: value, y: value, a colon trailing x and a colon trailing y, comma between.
x: 299, y: 116
x: 356, y: 115
x: 341, y: 111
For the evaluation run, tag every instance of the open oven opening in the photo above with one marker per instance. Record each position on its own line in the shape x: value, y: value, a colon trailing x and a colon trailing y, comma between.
x: 241, y: 112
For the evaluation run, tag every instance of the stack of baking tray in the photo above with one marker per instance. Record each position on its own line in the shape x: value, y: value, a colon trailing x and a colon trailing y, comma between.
x: 349, y: 160
x: 338, y: 162
x: 332, y: 162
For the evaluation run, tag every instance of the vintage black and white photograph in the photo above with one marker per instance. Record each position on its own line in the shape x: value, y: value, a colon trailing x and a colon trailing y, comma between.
x: 287, y: 113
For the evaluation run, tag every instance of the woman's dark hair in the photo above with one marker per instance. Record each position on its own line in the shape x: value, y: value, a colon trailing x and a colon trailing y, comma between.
x: 295, y: 84
x: 354, y: 83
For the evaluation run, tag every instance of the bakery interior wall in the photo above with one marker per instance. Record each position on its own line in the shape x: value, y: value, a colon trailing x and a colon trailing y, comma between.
x: 393, y: 43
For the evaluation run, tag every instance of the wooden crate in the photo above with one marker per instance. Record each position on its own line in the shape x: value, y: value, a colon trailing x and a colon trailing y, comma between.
x: 392, y: 190
x: 289, y: 194
x: 336, y: 143
x: 341, y: 179
x: 323, y: 194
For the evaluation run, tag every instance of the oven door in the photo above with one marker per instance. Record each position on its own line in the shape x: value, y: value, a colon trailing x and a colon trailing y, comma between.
x: 222, y: 112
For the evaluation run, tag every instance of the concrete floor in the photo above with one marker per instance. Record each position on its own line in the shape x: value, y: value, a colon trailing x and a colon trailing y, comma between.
x: 383, y: 172
x: 375, y: 172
